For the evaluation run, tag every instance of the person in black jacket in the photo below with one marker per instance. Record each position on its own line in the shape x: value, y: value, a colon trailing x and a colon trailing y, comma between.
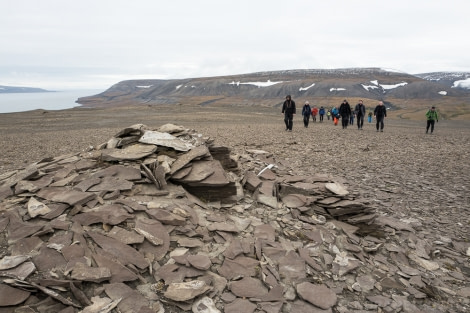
x: 288, y: 109
x: 345, y: 112
x: 380, y: 113
x: 306, y: 111
x: 360, y: 114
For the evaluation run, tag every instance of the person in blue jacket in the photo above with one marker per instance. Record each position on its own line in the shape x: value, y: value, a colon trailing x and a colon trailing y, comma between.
x: 334, y: 113
x: 322, y: 113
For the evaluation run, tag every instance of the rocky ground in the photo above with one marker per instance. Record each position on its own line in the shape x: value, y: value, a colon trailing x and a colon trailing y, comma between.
x: 422, y: 180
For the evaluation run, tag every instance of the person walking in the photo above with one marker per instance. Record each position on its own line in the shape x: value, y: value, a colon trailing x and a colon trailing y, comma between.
x: 328, y: 114
x: 345, y: 112
x: 334, y: 115
x: 306, y: 111
x: 351, y: 118
x: 322, y: 113
x: 288, y: 109
x: 360, y: 110
x: 431, y: 116
x: 380, y: 113
x: 314, y: 114
x: 369, y: 118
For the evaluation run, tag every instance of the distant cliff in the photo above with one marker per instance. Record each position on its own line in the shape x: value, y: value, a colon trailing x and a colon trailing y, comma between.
x: 12, y: 89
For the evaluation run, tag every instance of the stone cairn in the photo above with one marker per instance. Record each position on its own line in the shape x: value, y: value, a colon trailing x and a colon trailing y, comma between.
x: 165, y: 221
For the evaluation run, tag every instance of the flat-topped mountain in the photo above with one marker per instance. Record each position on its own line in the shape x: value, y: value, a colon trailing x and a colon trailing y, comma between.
x: 322, y: 86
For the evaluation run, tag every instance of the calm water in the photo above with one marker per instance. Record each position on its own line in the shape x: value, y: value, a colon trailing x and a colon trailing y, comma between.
x: 59, y: 100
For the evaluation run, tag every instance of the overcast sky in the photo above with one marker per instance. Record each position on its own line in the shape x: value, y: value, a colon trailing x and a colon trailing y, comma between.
x: 57, y: 44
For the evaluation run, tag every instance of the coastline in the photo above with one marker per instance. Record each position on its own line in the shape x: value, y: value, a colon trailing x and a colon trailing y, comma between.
x: 49, y: 100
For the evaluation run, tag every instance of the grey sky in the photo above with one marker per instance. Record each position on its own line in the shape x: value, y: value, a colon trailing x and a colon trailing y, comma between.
x: 94, y: 44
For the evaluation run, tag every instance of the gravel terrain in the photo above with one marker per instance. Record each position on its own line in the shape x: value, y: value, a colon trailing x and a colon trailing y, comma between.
x: 407, y: 173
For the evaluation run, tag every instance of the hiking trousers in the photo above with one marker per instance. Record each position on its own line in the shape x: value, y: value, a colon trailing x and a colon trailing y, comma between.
x: 306, y: 120
x: 430, y: 123
x: 360, y: 121
x: 380, y: 122
x: 289, y: 120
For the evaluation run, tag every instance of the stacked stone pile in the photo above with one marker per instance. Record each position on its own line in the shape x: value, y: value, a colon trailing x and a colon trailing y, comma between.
x: 165, y: 221
x: 317, y: 194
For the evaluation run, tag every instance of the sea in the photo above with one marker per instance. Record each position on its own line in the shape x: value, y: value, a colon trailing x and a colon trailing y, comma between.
x: 53, y: 100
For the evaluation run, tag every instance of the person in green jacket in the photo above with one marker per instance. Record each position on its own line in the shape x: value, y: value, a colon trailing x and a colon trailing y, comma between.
x: 431, y: 116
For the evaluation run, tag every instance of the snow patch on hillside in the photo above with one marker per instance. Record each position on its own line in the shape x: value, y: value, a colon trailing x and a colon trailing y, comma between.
x: 306, y: 88
x: 258, y: 84
x: 394, y: 86
x: 367, y: 87
x: 465, y: 83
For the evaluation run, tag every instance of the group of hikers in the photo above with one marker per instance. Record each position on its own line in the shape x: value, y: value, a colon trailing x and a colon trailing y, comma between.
x: 346, y: 114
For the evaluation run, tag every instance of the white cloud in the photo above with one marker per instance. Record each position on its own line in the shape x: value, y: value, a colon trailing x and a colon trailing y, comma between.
x: 168, y: 39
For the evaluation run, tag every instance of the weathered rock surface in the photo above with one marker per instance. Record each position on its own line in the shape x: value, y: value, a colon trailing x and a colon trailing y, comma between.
x: 217, y: 236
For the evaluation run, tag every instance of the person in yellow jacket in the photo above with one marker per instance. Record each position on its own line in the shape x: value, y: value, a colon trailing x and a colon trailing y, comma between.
x: 431, y: 116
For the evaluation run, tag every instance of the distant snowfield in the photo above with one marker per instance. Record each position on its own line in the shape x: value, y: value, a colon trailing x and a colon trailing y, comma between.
x: 394, y: 86
x: 462, y: 83
x: 375, y: 85
x: 258, y: 84
x: 306, y: 88
x: 367, y: 87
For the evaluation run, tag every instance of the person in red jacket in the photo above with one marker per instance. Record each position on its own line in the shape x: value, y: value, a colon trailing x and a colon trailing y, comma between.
x: 314, y: 114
